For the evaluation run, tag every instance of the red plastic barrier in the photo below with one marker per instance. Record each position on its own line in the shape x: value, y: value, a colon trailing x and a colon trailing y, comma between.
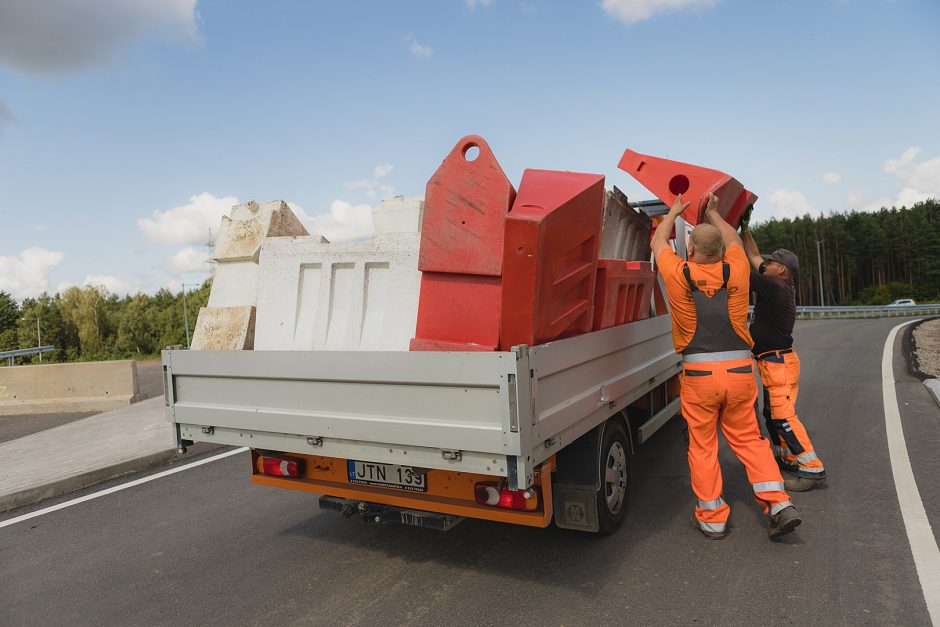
x: 550, y: 257
x: 461, y: 251
x: 623, y: 292
x: 457, y: 312
x: 667, y: 178
x: 465, y: 205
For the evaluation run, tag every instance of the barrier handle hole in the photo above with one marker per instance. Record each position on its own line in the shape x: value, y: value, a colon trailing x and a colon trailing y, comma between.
x: 471, y: 152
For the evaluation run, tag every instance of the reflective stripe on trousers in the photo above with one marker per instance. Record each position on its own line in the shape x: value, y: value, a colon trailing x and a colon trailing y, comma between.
x: 715, y: 504
x: 775, y: 509
x: 768, y: 486
x: 717, y: 527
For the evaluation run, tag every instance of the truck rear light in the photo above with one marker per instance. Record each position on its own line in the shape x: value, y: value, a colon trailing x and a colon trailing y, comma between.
x: 280, y: 466
x: 490, y: 494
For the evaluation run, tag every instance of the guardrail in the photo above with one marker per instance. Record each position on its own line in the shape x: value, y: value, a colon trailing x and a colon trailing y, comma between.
x: 10, y: 356
x: 881, y: 311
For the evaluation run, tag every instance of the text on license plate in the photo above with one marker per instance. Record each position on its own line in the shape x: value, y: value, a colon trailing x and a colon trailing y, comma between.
x: 386, y: 475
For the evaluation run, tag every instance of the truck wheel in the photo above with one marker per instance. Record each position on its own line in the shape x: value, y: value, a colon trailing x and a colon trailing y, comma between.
x: 614, y: 473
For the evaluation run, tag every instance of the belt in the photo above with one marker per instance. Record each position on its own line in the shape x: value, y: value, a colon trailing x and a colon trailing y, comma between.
x: 698, y: 358
x: 768, y: 354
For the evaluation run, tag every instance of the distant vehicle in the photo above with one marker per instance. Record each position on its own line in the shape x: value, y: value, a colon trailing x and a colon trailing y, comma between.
x: 902, y: 302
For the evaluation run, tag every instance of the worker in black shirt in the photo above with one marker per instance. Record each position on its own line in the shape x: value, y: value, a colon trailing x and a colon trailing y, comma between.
x: 772, y: 330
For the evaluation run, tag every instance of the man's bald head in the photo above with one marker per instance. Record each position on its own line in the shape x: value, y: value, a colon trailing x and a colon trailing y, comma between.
x: 707, y: 246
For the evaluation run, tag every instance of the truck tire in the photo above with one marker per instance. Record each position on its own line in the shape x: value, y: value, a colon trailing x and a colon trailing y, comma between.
x: 614, y: 473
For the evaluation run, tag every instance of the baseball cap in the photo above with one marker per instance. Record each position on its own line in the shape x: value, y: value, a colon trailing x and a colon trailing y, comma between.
x: 787, y: 258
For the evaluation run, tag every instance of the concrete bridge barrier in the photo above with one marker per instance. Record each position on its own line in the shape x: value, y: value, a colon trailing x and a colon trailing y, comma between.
x: 75, y: 387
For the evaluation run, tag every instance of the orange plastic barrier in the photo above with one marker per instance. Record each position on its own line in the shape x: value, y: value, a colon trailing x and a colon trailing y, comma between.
x: 667, y: 178
x: 550, y: 257
x: 457, y: 312
x: 461, y: 252
x: 623, y: 292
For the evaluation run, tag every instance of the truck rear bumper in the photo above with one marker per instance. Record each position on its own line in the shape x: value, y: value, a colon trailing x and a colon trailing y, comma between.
x: 423, y: 502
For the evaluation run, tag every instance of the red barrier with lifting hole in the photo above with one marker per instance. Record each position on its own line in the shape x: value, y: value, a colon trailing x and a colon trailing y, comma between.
x: 666, y: 179
x: 461, y: 251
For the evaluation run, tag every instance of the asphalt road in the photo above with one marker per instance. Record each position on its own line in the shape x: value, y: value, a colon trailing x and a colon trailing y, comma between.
x: 149, y: 382
x: 206, y: 547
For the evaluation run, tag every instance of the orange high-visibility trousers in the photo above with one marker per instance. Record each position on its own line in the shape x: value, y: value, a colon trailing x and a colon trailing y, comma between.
x: 723, y: 393
x: 780, y: 375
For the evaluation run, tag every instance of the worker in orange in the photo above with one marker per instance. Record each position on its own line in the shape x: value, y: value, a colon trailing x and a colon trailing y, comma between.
x: 779, y: 366
x: 708, y: 295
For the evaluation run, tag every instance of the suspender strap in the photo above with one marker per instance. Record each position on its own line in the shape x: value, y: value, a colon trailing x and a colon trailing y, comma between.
x: 688, y: 278
x: 725, y: 273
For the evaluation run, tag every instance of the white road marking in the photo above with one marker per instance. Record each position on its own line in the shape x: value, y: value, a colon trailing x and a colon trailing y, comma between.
x: 919, y: 534
x: 118, y: 488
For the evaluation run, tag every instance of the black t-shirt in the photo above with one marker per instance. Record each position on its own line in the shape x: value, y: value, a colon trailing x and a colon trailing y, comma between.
x: 774, y: 313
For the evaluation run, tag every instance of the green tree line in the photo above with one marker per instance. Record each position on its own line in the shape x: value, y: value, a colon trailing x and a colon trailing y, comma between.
x: 88, y: 323
x: 867, y: 258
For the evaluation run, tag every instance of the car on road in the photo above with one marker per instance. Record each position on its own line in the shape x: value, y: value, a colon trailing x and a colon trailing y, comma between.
x: 902, y: 302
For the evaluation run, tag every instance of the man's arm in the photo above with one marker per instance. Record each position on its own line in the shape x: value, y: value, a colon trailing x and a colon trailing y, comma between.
x: 728, y: 235
x: 664, y: 229
x: 750, y: 248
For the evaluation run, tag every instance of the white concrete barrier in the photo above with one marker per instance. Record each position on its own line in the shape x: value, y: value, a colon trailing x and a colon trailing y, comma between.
x: 75, y: 387
x: 227, y: 322
x: 315, y: 295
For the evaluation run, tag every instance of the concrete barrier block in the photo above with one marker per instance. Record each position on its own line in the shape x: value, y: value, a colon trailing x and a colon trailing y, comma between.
x: 240, y: 235
x: 234, y: 284
x: 234, y: 290
x: 315, y: 295
x: 225, y: 329
x: 398, y: 215
x: 85, y: 386
x: 626, y: 232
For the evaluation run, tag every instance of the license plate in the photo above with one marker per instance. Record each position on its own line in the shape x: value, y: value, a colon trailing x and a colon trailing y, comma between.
x: 386, y: 476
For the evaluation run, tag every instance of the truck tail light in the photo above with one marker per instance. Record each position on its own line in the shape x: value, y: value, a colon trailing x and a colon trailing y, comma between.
x: 490, y: 494
x: 280, y: 466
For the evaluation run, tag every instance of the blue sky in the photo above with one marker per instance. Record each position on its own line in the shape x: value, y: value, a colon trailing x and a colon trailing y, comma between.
x: 127, y: 127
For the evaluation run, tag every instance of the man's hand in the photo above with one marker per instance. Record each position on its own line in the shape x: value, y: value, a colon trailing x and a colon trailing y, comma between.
x: 746, y: 219
x: 712, y: 203
x: 678, y: 207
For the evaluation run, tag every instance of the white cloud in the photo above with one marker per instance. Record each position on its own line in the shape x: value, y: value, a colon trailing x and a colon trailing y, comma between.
x: 786, y: 203
x: 382, y: 170
x: 58, y: 36
x: 632, y: 11
x: 188, y: 224
x: 417, y: 49
x: 111, y: 283
x: 27, y: 276
x: 190, y: 259
x: 920, y: 181
x: 372, y: 186
x: 473, y: 4
x: 344, y: 223
x: 832, y: 178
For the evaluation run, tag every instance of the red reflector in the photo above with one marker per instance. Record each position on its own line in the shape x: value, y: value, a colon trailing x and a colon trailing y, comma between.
x: 489, y: 494
x: 280, y: 466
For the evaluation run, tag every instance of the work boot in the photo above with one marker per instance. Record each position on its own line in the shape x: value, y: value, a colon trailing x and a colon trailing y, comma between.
x: 783, y: 522
x: 711, y: 535
x: 804, y: 484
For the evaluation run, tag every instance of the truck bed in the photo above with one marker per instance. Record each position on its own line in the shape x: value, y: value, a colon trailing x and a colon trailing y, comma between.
x: 495, y: 413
